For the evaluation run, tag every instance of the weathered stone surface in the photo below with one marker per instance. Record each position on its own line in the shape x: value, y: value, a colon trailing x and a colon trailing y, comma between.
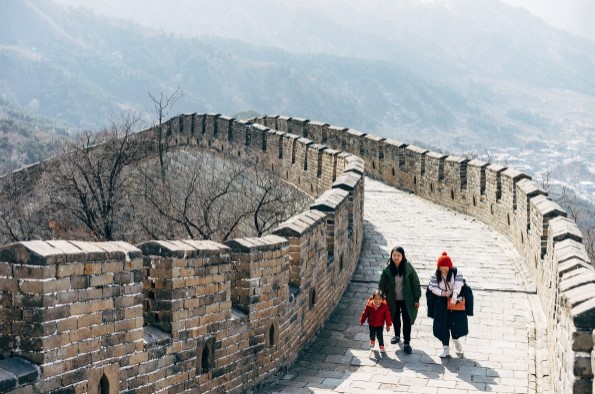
x: 579, y: 294
x: 23, y: 370
x: 7, y: 381
x: 529, y: 188
x: 546, y: 207
x: 330, y: 200
x: 347, y: 181
x: 587, y: 277
x: 584, y: 313
x: 569, y: 249
x: 32, y: 252
x: 166, y: 248
x: 563, y: 228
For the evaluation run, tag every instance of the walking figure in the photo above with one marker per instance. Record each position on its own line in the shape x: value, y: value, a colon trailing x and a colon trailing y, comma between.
x: 376, y: 312
x: 400, y: 285
x: 447, y: 284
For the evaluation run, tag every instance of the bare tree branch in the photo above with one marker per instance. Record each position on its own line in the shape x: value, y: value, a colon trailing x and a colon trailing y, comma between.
x: 163, y: 105
x: 90, y: 179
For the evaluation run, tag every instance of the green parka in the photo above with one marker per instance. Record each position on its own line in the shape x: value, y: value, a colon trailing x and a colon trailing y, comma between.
x: 411, y: 290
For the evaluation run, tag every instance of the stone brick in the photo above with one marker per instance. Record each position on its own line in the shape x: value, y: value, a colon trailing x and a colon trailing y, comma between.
x: 5, y: 269
x: 22, y: 271
x: 69, y: 269
x: 89, y: 346
x: 23, y: 390
x: 9, y: 285
x: 88, y: 319
x: 56, y: 368
x: 80, y: 334
x: 101, y: 280
x: 138, y: 358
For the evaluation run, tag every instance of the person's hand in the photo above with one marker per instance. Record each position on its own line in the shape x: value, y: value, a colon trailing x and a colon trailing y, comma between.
x: 448, y: 293
x: 453, y: 300
x: 387, y: 328
x: 417, y: 305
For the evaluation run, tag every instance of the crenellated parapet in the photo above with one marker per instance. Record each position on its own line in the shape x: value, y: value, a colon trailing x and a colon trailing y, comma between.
x: 186, y: 315
x: 506, y: 200
x: 310, y: 166
x: 186, y: 282
x: 75, y: 312
x: 573, y: 303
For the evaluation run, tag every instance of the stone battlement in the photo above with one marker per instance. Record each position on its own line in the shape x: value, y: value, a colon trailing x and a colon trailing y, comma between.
x: 508, y: 201
x: 185, y: 315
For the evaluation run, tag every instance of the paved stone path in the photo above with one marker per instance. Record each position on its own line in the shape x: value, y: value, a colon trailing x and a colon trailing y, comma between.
x: 499, y: 352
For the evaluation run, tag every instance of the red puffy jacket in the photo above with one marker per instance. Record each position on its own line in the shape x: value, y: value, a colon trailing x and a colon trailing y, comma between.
x: 376, y: 317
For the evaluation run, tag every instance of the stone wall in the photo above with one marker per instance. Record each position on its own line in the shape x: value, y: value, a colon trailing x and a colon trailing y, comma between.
x: 186, y: 316
x: 75, y: 310
x: 193, y: 338
x: 510, y: 202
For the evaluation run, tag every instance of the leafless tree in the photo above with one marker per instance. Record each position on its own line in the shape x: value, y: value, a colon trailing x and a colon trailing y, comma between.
x: 271, y: 202
x: 108, y: 186
x: 583, y: 215
x: 193, y: 203
x: 204, y: 196
x: 545, y: 180
x: 90, y: 178
x: 22, y: 203
x: 163, y: 105
x: 589, y: 242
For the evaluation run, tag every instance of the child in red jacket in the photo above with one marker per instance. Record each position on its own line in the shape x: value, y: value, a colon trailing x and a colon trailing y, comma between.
x: 377, y: 313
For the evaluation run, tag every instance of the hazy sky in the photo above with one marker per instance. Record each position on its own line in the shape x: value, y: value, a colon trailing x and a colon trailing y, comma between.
x: 575, y: 16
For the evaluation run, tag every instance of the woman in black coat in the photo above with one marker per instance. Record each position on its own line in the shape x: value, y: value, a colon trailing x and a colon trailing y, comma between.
x: 446, y: 284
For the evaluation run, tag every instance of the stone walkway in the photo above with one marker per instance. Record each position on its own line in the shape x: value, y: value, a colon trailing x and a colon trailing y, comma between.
x: 499, y: 352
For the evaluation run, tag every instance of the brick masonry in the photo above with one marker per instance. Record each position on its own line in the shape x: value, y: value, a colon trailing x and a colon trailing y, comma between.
x: 186, y: 316
x: 199, y: 324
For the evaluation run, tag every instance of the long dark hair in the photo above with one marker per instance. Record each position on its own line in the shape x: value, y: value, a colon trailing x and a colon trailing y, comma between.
x: 448, y: 276
x: 400, y: 270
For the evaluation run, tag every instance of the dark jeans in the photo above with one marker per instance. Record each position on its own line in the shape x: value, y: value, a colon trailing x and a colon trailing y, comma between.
x: 401, y: 310
x: 376, y: 332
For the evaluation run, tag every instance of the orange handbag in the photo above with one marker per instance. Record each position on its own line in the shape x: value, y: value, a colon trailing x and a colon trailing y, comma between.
x: 459, y: 306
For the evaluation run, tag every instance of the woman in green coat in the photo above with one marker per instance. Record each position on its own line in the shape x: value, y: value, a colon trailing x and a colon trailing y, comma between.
x: 400, y: 285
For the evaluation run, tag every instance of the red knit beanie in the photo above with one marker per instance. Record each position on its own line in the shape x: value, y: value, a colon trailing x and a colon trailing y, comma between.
x: 444, y: 261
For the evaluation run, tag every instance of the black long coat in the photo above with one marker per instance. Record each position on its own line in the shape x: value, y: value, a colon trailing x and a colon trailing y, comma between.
x: 445, y: 320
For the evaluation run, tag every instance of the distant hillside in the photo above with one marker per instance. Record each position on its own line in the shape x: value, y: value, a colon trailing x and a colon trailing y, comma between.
x: 25, y: 138
x: 81, y: 68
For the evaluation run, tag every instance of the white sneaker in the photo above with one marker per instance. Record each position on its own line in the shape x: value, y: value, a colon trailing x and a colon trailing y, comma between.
x: 458, y: 345
x: 445, y: 352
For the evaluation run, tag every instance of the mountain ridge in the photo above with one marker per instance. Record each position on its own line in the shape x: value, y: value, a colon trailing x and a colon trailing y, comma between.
x: 96, y: 66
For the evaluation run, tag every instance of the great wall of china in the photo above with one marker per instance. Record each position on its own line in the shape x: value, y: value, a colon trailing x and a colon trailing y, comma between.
x: 199, y: 316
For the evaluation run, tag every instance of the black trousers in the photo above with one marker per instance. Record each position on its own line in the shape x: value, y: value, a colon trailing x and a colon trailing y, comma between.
x: 376, y: 332
x: 401, y: 312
